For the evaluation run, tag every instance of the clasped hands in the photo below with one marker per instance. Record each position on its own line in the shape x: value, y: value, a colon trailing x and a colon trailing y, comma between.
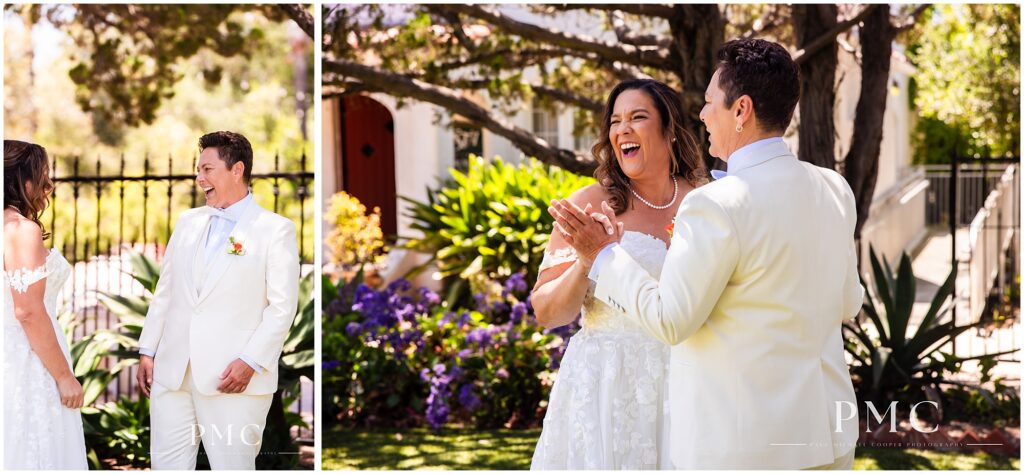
x: 234, y: 379
x: 587, y: 231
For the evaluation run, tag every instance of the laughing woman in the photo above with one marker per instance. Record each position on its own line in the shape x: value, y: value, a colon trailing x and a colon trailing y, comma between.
x: 607, y: 408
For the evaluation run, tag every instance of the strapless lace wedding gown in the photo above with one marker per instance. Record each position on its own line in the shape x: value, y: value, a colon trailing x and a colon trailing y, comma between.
x: 39, y: 432
x: 608, y: 407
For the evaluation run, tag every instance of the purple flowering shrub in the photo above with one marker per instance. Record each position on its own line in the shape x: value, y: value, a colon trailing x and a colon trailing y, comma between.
x: 399, y: 356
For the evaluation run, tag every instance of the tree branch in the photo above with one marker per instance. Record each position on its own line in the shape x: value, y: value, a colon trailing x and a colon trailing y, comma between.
x: 301, y: 16
x: 568, y: 97
x: 830, y: 36
x: 457, y: 29
x: 659, y: 11
x: 515, y: 58
x: 626, y: 35
x: 450, y: 99
x: 560, y: 95
x: 766, y: 23
x: 641, y: 56
x: 911, y: 19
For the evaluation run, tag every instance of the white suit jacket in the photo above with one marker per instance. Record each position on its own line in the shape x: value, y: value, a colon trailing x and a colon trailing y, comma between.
x: 245, y: 307
x: 761, y: 272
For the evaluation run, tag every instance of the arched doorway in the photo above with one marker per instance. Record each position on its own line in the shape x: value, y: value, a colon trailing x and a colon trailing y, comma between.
x: 368, y: 156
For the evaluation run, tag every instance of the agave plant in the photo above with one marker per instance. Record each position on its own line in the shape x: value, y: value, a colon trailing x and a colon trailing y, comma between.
x: 490, y: 221
x: 121, y: 428
x: 892, y: 360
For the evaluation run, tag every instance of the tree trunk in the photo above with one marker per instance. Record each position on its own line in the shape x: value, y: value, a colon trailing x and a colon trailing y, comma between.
x: 698, y: 31
x: 861, y: 164
x: 817, y: 84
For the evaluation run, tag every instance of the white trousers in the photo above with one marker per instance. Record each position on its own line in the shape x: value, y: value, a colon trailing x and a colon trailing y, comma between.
x: 230, y: 427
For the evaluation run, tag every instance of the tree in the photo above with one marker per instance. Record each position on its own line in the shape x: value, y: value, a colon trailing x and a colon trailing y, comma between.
x: 127, y: 66
x: 437, y: 53
x: 976, y: 104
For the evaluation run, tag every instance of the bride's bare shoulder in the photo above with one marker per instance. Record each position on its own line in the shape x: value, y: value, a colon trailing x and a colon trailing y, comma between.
x: 21, y: 232
x: 591, y: 194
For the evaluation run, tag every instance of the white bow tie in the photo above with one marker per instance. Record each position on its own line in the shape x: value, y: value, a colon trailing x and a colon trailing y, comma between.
x: 221, y: 213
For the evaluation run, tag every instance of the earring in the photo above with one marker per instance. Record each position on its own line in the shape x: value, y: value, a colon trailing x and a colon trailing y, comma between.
x: 739, y: 128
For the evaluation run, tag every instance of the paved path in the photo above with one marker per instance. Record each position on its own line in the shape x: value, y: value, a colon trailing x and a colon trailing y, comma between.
x: 932, y: 266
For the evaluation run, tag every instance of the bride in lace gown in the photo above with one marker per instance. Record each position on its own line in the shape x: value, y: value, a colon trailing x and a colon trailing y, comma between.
x: 42, y: 398
x: 608, y: 408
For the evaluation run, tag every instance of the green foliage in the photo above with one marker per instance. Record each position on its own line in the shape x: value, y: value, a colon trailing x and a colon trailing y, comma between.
x: 489, y: 222
x: 129, y: 54
x: 297, y: 360
x: 893, y: 362
x: 999, y: 406
x: 120, y: 430
x: 257, y: 94
x: 396, y: 357
x: 967, y: 83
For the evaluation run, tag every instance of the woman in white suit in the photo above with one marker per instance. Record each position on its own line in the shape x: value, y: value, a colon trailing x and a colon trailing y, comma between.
x: 226, y: 299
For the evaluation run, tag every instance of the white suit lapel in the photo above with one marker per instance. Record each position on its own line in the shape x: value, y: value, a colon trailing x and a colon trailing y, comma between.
x: 222, y: 260
x: 195, y: 242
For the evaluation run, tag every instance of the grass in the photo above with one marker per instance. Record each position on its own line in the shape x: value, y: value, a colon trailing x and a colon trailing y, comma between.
x: 420, y: 448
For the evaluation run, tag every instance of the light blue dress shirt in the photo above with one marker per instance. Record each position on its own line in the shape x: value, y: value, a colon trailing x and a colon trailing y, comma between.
x: 220, y: 229
x: 747, y: 156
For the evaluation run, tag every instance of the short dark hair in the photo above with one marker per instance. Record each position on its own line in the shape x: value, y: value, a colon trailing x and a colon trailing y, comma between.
x: 766, y: 72
x: 231, y: 148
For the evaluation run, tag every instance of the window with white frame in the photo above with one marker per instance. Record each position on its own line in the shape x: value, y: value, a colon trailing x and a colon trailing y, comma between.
x: 545, y: 123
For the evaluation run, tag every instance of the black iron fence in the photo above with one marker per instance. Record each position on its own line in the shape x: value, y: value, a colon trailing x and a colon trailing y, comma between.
x: 978, y: 203
x: 97, y: 216
x: 974, y: 183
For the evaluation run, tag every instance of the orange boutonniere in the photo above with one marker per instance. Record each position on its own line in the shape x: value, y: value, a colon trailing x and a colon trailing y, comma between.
x: 235, y: 247
x: 670, y: 228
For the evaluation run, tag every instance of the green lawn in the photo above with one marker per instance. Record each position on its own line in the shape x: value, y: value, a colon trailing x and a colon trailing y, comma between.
x: 511, y: 449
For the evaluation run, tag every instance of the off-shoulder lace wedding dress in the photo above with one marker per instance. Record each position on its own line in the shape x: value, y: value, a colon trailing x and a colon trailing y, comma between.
x: 39, y: 432
x: 608, y: 406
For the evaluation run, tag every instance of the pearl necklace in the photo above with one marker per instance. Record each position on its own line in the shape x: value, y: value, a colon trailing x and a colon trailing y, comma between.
x: 675, y: 194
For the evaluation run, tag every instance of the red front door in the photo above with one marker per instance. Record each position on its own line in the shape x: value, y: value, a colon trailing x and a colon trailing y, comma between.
x: 368, y: 157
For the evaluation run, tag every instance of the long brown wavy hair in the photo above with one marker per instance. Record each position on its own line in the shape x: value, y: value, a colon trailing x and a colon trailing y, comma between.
x: 27, y: 163
x: 687, y: 162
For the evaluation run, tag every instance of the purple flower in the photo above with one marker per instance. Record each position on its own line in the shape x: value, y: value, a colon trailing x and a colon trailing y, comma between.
x: 429, y: 297
x: 500, y: 307
x: 464, y: 318
x: 502, y: 373
x: 516, y: 283
x: 467, y: 398
x: 399, y: 285
x: 437, y: 401
x: 479, y: 336
x: 518, y: 311
x: 481, y: 302
x: 465, y: 353
x: 352, y: 328
x: 448, y: 316
x: 437, y: 407
x: 425, y: 375
x: 331, y: 364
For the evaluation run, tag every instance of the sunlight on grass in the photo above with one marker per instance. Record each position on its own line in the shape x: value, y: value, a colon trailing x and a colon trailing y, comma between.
x: 421, y: 448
